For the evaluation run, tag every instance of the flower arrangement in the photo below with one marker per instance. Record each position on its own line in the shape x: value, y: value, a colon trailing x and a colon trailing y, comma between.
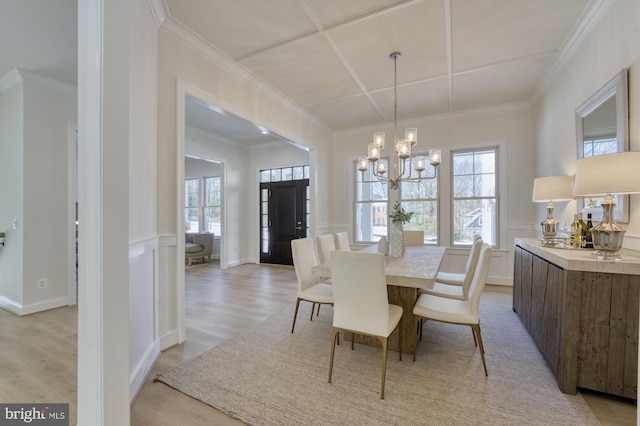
x: 399, y: 215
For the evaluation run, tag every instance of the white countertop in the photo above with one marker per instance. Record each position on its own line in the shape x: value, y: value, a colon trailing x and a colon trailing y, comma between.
x: 583, y: 259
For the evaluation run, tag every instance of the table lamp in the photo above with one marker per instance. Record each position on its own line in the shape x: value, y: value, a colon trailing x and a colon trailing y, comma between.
x: 607, y: 175
x: 550, y: 189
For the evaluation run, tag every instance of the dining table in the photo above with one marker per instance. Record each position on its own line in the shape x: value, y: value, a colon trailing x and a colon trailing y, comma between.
x: 416, y: 269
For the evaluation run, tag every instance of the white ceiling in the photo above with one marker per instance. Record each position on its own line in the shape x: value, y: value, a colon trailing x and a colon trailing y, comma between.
x: 331, y: 57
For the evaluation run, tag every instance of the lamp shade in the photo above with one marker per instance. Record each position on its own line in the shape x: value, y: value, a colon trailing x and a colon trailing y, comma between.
x: 617, y: 173
x: 552, y: 188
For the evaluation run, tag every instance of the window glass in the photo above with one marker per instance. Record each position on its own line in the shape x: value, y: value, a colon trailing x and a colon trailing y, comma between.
x: 370, y: 207
x: 212, y: 209
x: 192, y: 202
x: 421, y: 198
x: 474, y: 203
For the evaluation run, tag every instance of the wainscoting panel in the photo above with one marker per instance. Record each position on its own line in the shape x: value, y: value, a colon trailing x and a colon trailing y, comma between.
x: 144, y: 340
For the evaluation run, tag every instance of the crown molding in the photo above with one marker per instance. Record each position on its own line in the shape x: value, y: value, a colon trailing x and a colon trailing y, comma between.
x: 217, y: 56
x: 17, y: 75
x: 468, y: 113
x: 579, y: 33
x: 34, y: 78
x: 159, y: 11
x: 10, y: 79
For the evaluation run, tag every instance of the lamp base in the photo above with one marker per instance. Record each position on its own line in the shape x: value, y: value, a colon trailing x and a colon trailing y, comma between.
x: 607, y: 235
x: 607, y: 256
x: 549, y: 225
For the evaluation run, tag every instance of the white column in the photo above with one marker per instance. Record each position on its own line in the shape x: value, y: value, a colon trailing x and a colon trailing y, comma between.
x: 103, y: 151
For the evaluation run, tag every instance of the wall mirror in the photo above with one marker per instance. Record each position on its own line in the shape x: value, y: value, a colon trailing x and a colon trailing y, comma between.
x: 602, y: 127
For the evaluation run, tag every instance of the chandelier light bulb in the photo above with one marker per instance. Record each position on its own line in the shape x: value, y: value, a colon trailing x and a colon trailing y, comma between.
x: 374, y: 152
x: 382, y: 167
x: 363, y: 164
x: 403, y: 149
x: 411, y: 135
x: 378, y: 139
x: 435, y: 157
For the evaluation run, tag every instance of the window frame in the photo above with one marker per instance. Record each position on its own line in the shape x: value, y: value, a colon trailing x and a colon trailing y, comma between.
x: 201, y: 203
x: 206, y: 206
x: 497, y: 187
x: 357, y: 176
x: 435, y: 175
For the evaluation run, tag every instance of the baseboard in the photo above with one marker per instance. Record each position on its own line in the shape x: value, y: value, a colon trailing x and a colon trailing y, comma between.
x: 169, y: 339
x: 139, y: 374
x: 32, y: 308
x: 241, y: 262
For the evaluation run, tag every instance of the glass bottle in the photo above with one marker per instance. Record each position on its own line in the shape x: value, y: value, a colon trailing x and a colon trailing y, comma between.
x: 578, y: 234
x: 588, y: 237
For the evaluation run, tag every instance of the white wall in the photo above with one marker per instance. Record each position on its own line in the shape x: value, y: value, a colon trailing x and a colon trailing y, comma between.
x: 47, y: 112
x: 34, y: 146
x: 11, y: 182
x: 508, y: 127
x: 613, y: 45
x: 196, y: 168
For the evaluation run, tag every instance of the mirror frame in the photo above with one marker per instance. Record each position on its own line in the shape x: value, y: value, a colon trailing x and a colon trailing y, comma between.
x: 618, y: 87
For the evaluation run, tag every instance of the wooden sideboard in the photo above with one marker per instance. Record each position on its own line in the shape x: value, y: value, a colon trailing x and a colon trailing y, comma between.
x: 582, y: 314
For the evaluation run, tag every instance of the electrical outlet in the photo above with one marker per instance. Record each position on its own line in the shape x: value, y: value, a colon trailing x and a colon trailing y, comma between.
x: 42, y: 283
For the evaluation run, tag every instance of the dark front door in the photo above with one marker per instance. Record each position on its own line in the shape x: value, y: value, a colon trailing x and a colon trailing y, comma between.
x: 283, y: 218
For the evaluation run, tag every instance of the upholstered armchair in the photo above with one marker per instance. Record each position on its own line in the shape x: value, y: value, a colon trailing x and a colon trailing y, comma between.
x: 198, y: 246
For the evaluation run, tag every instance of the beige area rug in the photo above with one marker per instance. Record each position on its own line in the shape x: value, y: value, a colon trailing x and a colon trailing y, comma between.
x: 272, y: 377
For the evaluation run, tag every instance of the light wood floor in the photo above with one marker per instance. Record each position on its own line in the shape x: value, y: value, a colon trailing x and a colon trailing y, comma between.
x: 38, y: 353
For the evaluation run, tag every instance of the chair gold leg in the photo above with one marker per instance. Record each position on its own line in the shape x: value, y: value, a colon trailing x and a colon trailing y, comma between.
x: 476, y: 329
x: 418, y: 325
x: 353, y: 339
x: 295, y: 314
x: 384, y: 342
x: 399, y: 340
x: 475, y: 341
x: 313, y: 307
x: 333, y: 349
x: 318, y: 313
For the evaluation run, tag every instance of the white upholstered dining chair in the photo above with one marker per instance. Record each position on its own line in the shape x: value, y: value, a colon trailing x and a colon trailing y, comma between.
x: 456, y: 286
x: 361, y: 304
x: 310, y: 288
x: 453, y: 278
x: 325, y: 246
x: 342, y: 241
x: 464, y: 312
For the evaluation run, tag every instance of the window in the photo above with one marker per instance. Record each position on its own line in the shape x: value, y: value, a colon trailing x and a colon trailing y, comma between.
x: 474, y: 202
x: 421, y: 198
x: 284, y: 174
x: 212, y: 205
x: 203, y: 204
x: 192, y: 203
x: 370, y: 207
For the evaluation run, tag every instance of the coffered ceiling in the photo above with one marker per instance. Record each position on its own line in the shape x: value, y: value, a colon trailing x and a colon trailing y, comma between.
x: 331, y: 57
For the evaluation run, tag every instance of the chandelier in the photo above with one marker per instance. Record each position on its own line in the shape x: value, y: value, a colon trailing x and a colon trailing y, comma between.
x: 403, y: 149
